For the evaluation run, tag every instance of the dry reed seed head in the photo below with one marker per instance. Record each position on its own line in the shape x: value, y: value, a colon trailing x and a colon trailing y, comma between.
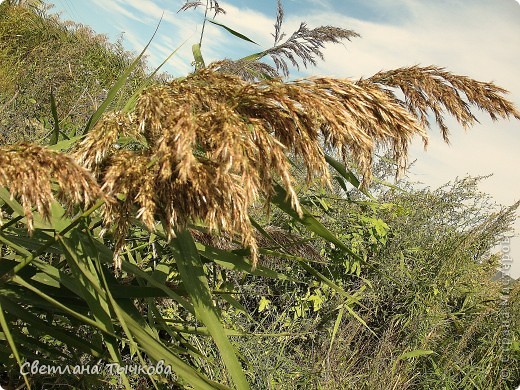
x: 101, y: 140
x: 355, y: 120
x: 220, y: 201
x: 29, y: 170
x: 152, y: 111
x: 247, y: 70
x: 175, y: 147
x: 216, y: 143
x: 433, y: 88
x: 130, y: 183
x: 128, y: 176
x: 304, y: 44
x: 189, y: 5
x: 358, y: 117
x: 212, y: 5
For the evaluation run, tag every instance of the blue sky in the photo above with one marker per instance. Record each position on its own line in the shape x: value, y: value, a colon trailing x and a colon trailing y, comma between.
x: 477, y: 38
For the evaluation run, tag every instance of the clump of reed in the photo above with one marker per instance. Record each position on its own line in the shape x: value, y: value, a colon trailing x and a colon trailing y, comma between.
x: 213, y: 143
x: 216, y: 143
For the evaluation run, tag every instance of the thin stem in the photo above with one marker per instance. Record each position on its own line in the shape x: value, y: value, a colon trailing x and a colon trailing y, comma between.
x: 204, y: 23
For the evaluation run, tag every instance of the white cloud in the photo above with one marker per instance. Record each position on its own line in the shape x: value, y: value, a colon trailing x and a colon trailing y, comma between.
x: 116, y: 9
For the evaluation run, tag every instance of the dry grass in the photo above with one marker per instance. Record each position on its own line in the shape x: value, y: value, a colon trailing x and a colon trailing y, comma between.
x: 246, y: 69
x: 303, y: 47
x: 216, y: 143
x: 29, y: 172
x: 433, y: 88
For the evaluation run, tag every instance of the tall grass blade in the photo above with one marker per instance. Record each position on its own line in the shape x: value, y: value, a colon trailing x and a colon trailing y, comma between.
x: 7, y: 334
x: 236, y: 262
x: 410, y: 355
x: 130, y: 103
x: 348, y: 175
x: 57, y: 333
x: 197, y: 56
x: 93, y: 293
x: 337, y: 323
x: 56, y: 131
x: 280, y: 199
x: 192, y: 274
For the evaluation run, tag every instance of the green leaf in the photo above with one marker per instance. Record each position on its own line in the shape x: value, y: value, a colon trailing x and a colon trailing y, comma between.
x: 348, y: 175
x: 236, y: 304
x: 234, y: 261
x: 88, y: 284
x: 157, y: 351
x: 235, y: 33
x: 410, y: 355
x: 6, y: 197
x: 336, y: 327
x: 17, y: 279
x: 66, y: 143
x: 263, y: 304
x: 10, y: 340
x: 192, y: 274
x: 106, y: 256
x: 341, y: 182
x: 52, y: 330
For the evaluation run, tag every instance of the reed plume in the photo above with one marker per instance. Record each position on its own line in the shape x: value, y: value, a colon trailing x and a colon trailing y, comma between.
x: 217, y: 143
x: 29, y: 172
x: 304, y: 46
x: 433, y: 88
x: 212, y: 144
x: 211, y: 5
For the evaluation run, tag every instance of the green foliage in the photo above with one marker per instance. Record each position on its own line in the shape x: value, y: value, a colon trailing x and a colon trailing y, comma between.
x: 433, y: 288
x: 358, y: 291
x: 40, y: 56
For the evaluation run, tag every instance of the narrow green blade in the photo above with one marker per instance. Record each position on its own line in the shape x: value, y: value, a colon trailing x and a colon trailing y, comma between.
x: 235, y: 33
x: 56, y: 130
x: 192, y: 274
x: 112, y: 93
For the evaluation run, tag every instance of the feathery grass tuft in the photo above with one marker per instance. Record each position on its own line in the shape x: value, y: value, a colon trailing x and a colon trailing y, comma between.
x: 210, y: 5
x: 29, y: 171
x: 433, y: 88
x: 306, y: 45
x: 216, y: 143
x: 92, y: 151
x: 248, y: 70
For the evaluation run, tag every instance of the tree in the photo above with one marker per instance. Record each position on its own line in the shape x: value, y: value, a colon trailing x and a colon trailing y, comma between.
x: 193, y: 155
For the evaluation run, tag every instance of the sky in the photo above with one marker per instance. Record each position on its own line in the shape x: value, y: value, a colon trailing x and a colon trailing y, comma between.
x: 476, y: 38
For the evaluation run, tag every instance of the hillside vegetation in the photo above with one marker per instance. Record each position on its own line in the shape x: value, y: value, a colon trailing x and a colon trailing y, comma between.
x: 40, y: 54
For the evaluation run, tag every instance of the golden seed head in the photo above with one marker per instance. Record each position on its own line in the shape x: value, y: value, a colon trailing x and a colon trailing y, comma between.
x: 29, y: 171
x: 215, y: 143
